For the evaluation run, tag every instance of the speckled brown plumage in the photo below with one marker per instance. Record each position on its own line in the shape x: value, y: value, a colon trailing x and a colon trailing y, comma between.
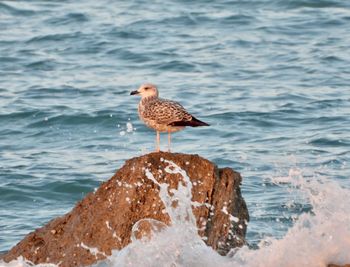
x: 161, y: 114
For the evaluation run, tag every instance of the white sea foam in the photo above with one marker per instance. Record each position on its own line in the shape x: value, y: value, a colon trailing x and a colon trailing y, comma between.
x: 174, y: 245
x: 129, y: 127
x: 94, y: 251
x: 316, y: 238
x: 21, y: 262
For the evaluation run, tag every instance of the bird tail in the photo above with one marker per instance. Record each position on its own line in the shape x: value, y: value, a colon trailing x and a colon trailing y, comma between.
x: 193, y: 123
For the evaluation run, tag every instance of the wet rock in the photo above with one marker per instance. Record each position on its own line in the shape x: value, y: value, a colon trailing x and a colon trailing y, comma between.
x: 103, y: 220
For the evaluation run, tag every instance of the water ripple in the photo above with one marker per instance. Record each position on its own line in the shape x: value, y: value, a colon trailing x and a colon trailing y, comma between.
x: 70, y: 18
x: 15, y: 11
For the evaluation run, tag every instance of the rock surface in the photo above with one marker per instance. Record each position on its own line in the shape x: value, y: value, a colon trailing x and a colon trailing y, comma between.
x: 103, y: 220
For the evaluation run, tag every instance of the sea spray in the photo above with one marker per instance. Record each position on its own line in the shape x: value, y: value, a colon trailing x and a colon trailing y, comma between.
x: 317, y: 237
x: 174, y: 245
x: 22, y: 262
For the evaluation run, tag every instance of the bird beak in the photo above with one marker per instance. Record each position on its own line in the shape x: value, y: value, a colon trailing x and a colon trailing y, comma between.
x: 134, y: 92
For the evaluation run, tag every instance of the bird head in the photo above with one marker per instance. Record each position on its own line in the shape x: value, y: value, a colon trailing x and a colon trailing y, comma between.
x: 146, y: 90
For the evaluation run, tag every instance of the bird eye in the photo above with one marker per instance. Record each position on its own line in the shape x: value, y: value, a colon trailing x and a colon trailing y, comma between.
x: 146, y: 88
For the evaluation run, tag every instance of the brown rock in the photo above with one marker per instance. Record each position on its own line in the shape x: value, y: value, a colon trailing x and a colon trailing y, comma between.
x: 334, y: 265
x: 104, y: 219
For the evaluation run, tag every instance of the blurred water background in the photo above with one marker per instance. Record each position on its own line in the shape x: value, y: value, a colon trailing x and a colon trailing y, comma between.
x: 271, y: 77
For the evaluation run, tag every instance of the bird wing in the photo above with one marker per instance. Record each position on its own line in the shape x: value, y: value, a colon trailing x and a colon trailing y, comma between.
x: 166, y: 112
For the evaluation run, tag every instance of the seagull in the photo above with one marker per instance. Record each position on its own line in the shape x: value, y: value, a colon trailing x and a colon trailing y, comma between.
x: 163, y: 115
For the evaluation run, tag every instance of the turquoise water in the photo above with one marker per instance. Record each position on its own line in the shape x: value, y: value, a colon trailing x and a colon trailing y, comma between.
x: 271, y: 77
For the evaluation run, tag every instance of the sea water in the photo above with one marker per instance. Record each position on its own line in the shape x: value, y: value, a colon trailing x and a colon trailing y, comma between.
x: 270, y: 77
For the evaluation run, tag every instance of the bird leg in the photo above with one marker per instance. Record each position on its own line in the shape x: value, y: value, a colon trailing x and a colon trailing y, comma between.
x: 169, y: 140
x: 158, y: 142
